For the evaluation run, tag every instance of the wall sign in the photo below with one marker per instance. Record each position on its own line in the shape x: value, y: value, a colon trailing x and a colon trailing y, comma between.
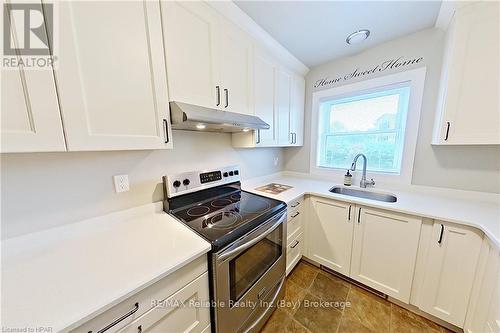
x: 384, y: 66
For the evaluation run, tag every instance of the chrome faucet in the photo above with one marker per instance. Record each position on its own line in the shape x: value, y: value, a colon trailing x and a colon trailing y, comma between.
x: 363, y: 181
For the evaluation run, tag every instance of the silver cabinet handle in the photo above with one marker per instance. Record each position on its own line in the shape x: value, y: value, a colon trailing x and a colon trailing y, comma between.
x: 118, y: 320
x: 349, y: 217
x: 217, y: 89
x: 441, y: 234
x: 359, y: 215
x: 295, y: 205
x: 258, y: 136
x: 294, y: 138
x: 295, y: 215
x: 227, y: 98
x: 295, y: 244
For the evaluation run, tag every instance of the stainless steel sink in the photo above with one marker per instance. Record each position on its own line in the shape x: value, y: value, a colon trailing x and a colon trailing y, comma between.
x: 379, y: 196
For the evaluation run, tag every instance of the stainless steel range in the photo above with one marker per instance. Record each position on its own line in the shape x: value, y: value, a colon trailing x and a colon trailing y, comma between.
x: 248, y: 235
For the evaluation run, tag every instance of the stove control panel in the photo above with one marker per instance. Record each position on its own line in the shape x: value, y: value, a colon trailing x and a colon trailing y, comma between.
x: 189, y: 182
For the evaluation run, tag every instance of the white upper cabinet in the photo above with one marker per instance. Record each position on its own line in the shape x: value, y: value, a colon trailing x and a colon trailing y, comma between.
x: 469, y: 110
x: 330, y: 229
x: 385, y: 250
x: 111, y: 76
x: 30, y: 119
x: 236, y: 68
x: 191, y: 34
x: 209, y: 60
x: 265, y: 71
x: 284, y: 103
x: 297, y: 111
x: 449, y: 271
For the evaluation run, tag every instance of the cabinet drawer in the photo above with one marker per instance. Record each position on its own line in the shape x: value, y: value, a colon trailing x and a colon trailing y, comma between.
x: 294, y: 224
x: 294, y: 252
x: 294, y: 206
x: 142, y: 301
x: 184, y: 311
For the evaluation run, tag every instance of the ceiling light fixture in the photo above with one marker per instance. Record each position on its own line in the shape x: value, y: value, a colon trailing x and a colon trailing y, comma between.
x: 201, y: 126
x: 358, y: 36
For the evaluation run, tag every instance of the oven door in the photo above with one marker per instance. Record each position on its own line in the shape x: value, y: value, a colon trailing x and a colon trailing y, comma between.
x: 248, y: 276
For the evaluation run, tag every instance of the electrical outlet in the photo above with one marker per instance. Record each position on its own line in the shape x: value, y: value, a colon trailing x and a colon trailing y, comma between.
x: 276, y: 160
x: 121, y: 183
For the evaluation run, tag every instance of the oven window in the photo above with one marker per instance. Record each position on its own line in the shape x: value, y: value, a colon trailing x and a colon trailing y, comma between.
x: 249, y: 266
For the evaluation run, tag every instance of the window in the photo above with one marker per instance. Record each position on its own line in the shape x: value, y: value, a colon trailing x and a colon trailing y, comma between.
x: 370, y: 122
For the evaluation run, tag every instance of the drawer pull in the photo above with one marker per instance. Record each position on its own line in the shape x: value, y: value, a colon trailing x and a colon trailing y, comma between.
x: 295, y: 205
x: 349, y: 217
x: 122, y: 318
x: 359, y: 215
x: 295, y: 244
x: 139, y: 329
x: 296, y: 214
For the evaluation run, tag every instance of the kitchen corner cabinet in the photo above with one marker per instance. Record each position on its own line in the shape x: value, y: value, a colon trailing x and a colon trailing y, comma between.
x: 209, y: 60
x: 483, y: 314
x: 449, y: 270
x: 297, y: 110
x: 30, y: 120
x: 111, y: 76
x: 469, y: 108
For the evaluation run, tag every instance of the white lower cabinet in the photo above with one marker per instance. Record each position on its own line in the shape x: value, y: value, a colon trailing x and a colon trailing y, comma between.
x: 184, y: 311
x: 176, y: 303
x: 330, y: 229
x: 384, y: 251
x: 449, y: 270
x: 483, y: 314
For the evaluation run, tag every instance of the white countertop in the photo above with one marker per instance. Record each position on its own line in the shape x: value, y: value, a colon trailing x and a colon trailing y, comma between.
x: 480, y: 210
x: 64, y: 276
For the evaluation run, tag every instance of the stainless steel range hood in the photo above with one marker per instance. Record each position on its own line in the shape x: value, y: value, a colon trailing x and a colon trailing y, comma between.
x: 197, y: 118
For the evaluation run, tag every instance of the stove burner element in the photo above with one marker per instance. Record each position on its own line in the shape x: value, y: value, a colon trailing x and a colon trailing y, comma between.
x: 219, y: 203
x: 223, y: 220
x: 257, y: 205
x: 235, y: 197
x: 198, y: 211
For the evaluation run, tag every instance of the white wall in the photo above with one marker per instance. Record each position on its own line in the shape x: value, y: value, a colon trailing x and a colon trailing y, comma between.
x: 468, y: 168
x: 44, y: 190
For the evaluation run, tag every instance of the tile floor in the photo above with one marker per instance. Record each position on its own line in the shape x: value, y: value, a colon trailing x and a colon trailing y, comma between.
x: 307, y: 286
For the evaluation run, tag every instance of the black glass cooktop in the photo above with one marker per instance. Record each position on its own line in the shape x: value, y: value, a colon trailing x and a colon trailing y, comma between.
x: 223, y: 214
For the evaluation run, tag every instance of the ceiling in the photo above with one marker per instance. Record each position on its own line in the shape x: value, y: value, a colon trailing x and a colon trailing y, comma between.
x: 315, y: 31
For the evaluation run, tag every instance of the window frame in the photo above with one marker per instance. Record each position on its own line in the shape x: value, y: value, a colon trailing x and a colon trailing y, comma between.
x: 415, y: 80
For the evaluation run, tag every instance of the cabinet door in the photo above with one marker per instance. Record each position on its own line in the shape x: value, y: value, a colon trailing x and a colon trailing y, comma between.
x: 283, y: 100
x: 265, y: 71
x: 190, y: 30
x: 111, y: 76
x: 184, y: 311
x: 30, y: 120
x: 236, y: 67
x: 484, y: 294
x: 449, y: 273
x: 471, y: 105
x: 297, y: 110
x: 330, y: 231
x: 385, y: 250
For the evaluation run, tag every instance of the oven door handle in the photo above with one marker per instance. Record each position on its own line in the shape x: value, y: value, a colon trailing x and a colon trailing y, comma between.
x: 258, y: 320
x: 253, y: 241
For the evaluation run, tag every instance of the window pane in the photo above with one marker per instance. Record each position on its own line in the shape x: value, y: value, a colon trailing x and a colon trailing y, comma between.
x: 368, y: 123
